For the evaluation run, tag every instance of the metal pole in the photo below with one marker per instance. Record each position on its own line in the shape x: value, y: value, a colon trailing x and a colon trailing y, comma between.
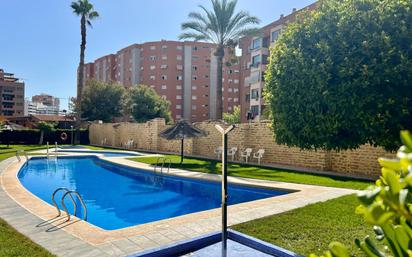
x: 181, y: 151
x: 72, y: 134
x: 224, y: 196
x: 224, y: 186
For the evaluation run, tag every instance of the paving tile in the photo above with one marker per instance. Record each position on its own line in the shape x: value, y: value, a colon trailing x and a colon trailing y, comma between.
x: 144, y: 242
x: 126, y: 245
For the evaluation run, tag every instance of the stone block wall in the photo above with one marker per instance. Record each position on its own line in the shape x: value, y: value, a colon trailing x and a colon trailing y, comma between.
x: 362, y: 161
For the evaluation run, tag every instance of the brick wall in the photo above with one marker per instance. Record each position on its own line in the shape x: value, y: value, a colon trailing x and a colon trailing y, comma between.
x: 362, y: 161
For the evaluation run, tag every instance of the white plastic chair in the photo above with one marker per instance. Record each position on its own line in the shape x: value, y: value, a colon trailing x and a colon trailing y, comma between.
x: 218, y: 151
x: 259, y: 155
x: 232, y: 152
x: 129, y: 144
x: 246, y: 154
x: 104, y: 141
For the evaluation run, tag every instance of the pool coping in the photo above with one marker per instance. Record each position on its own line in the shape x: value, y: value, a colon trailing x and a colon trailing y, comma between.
x: 168, y: 231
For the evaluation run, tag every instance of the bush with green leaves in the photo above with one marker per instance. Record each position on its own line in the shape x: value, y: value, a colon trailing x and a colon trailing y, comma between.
x: 144, y: 104
x: 388, y: 207
x: 341, y: 76
x: 234, y: 117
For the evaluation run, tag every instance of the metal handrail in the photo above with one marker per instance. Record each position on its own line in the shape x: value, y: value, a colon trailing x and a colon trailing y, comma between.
x: 81, y: 201
x: 163, y: 160
x: 18, y: 155
x: 55, y: 204
x: 170, y: 164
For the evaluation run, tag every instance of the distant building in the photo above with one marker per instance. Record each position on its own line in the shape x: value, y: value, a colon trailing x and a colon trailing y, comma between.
x: 184, y: 73
x: 42, y: 104
x: 12, y: 95
x: 254, y: 60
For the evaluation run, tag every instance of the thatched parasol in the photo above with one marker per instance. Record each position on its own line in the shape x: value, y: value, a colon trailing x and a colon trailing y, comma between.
x: 181, y: 130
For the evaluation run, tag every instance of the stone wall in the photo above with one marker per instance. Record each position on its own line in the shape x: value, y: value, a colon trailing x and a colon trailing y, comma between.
x: 362, y: 161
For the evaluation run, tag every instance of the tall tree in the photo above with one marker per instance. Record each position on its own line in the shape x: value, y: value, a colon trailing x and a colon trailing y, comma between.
x: 102, y: 101
x: 223, y: 26
x: 145, y: 104
x: 341, y: 76
x: 85, y: 10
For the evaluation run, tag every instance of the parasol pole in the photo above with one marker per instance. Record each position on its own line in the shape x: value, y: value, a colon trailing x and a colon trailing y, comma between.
x: 181, y: 150
x: 224, y: 186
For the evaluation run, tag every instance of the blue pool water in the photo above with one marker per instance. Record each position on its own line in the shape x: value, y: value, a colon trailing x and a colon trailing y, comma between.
x: 119, y: 197
x: 104, y: 153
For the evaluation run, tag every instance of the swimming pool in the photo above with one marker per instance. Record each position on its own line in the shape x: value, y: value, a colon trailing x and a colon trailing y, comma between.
x: 118, y: 196
x: 104, y: 153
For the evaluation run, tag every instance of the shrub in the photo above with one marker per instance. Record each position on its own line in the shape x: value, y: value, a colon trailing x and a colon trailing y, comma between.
x: 388, y: 207
x: 341, y: 76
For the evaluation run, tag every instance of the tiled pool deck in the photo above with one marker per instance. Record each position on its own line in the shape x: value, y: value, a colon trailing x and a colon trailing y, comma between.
x: 35, y: 218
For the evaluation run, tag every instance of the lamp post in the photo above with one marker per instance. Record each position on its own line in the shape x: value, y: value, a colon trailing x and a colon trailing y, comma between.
x: 71, y: 127
x: 224, y: 185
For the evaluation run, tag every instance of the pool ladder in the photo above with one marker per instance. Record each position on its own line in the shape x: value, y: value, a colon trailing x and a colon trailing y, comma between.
x: 69, y: 193
x: 162, y: 160
x: 56, y: 153
x: 21, y: 152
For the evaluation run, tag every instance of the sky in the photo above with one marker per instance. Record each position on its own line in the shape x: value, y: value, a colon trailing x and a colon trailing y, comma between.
x: 40, y: 42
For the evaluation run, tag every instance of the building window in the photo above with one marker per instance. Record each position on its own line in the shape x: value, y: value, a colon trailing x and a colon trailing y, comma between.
x: 194, y: 67
x: 195, y: 58
x: 236, y: 90
x: 178, y: 97
x: 164, y: 57
x: 256, y: 60
x: 152, y: 67
x: 194, y: 97
x: 275, y: 35
x: 229, y: 108
x: 164, y: 77
x: 152, y: 47
x: 194, y: 107
x: 153, y: 58
x: 164, y: 46
x: 152, y: 77
x: 164, y: 87
x: 256, y: 43
x: 194, y: 77
x: 163, y: 67
x: 235, y: 99
x: 179, y: 77
x: 194, y: 87
x: 236, y: 81
x: 179, y: 67
x: 179, y: 57
x: 178, y: 116
x: 179, y: 47
x: 194, y: 48
x: 164, y: 97
x: 230, y: 90
x: 179, y: 87
x: 178, y: 107
x: 237, y: 71
x: 206, y: 76
x: 255, y: 94
x: 254, y: 109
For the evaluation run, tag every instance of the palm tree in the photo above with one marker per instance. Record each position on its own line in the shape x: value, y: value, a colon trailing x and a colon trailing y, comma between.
x: 84, y: 9
x: 223, y: 27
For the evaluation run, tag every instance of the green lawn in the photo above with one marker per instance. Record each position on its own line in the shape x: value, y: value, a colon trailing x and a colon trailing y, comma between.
x: 305, y: 230
x: 250, y: 171
x: 310, y: 229
x: 12, y: 243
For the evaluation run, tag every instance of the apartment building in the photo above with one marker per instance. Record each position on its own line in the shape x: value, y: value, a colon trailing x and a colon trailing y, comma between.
x: 12, y: 95
x: 184, y: 73
x: 42, y: 104
x: 253, y: 62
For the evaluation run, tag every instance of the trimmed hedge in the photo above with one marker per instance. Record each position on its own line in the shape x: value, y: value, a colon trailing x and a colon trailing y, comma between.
x: 32, y: 137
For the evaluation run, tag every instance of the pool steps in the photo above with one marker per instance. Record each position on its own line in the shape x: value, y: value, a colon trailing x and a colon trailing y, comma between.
x: 69, y: 193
